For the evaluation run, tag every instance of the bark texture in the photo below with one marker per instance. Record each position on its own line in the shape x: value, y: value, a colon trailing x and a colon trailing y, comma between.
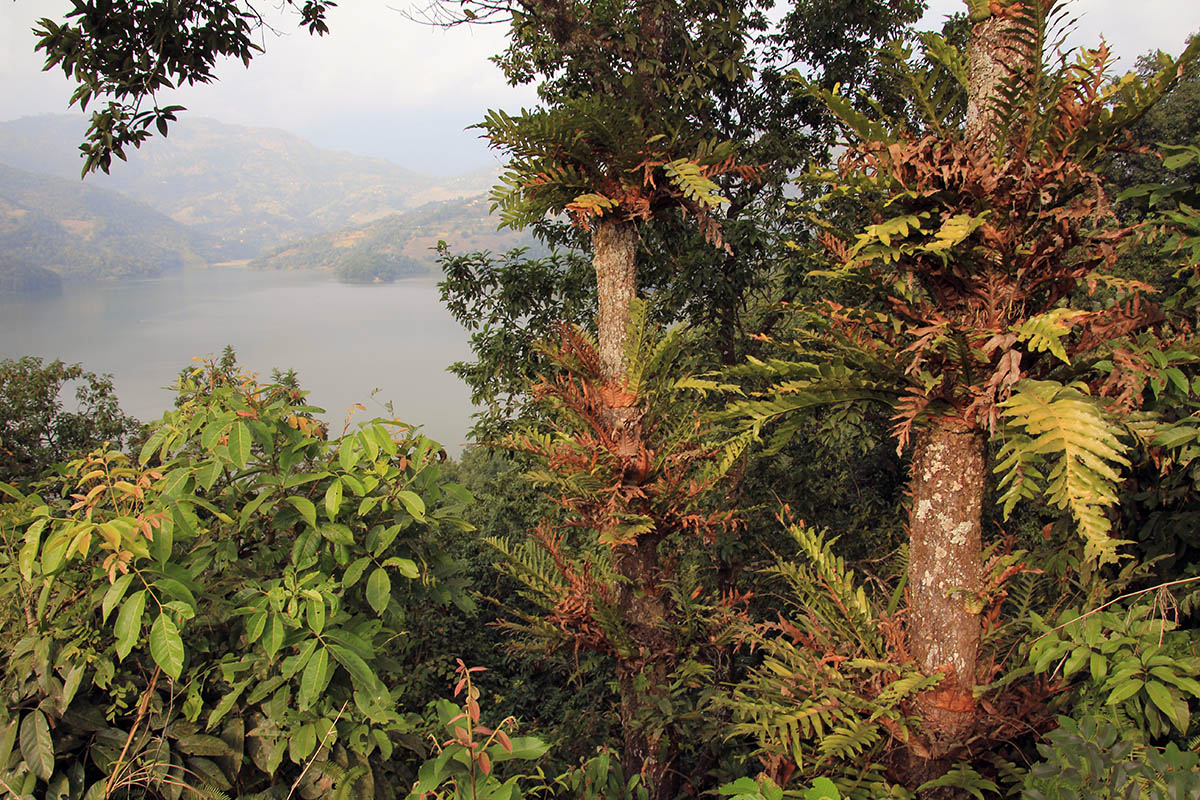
x: 643, y: 674
x: 990, y: 55
x: 644, y: 669
x: 945, y: 555
x: 614, y: 247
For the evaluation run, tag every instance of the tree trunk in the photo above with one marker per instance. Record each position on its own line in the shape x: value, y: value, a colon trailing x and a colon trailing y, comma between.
x: 990, y: 55
x: 644, y: 670
x: 944, y: 566
x: 614, y: 247
x: 948, y: 479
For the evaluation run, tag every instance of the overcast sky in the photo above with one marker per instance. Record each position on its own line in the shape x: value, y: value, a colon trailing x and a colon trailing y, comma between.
x: 383, y: 85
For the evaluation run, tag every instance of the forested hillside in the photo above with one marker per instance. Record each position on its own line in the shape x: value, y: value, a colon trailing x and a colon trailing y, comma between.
x: 399, y: 244
x: 842, y: 441
x: 85, y: 232
x: 19, y: 277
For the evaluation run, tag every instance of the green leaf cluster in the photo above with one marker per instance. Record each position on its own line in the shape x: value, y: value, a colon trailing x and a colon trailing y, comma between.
x: 231, y: 608
x: 1132, y: 665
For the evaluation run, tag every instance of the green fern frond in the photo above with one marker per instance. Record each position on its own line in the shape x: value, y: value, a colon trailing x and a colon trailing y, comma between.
x: 210, y: 792
x: 530, y: 566
x: 781, y: 410
x: 903, y: 689
x: 831, y: 572
x: 1045, y: 332
x: 964, y: 778
x: 850, y: 741
x: 1128, y: 99
x: 638, y: 332
x: 1064, y: 430
x: 687, y: 177
x: 936, y: 85
x: 863, y: 126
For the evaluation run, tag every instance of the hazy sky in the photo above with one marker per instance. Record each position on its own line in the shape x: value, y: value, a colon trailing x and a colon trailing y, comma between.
x: 383, y: 85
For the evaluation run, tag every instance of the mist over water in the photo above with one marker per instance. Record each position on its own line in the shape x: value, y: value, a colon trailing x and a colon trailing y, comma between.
x: 344, y: 341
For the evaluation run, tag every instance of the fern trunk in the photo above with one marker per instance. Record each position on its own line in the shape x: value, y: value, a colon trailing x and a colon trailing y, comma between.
x: 945, y: 562
x: 948, y: 480
x: 990, y: 53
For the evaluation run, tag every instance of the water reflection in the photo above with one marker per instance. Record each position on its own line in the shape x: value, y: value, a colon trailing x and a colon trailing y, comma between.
x: 343, y: 340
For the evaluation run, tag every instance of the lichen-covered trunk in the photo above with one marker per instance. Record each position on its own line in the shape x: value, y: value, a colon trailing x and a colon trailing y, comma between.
x: 644, y: 669
x: 986, y: 70
x: 944, y: 565
x: 994, y: 53
x: 614, y: 250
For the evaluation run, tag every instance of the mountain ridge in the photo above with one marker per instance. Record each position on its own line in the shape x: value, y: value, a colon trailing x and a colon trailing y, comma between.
x: 86, y: 232
x: 248, y: 189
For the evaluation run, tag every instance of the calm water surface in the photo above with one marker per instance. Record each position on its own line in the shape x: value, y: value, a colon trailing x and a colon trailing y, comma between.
x: 344, y: 341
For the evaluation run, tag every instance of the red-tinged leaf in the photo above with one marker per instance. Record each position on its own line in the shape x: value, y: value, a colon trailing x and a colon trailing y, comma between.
x: 463, y: 736
x: 485, y: 764
x: 504, y: 741
x: 473, y: 710
x: 458, y: 687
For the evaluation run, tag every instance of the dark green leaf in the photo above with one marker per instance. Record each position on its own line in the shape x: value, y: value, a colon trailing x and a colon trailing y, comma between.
x: 273, y: 639
x: 199, y: 744
x: 114, y: 595
x: 360, y: 674
x: 166, y: 646
x: 333, y: 499
x: 37, y: 748
x: 314, y: 679
x: 337, y: 533
x: 412, y: 503
x: 355, y: 571
x: 379, y: 590
x: 306, y: 508
x: 129, y: 623
x: 239, y: 444
x: 407, y: 567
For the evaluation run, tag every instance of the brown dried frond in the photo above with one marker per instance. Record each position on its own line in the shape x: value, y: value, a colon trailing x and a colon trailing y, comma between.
x: 1099, y: 327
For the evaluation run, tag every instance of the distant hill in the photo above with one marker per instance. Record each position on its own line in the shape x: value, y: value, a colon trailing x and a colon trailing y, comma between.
x: 22, y: 278
x: 399, y: 243
x: 247, y: 188
x: 81, y: 231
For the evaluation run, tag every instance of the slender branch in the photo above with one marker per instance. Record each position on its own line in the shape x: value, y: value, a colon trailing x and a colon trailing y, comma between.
x: 1125, y: 596
x: 143, y: 707
x: 313, y: 757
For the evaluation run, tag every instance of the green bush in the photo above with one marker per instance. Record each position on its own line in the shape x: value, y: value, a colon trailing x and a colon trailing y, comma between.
x: 1091, y: 759
x: 229, y: 610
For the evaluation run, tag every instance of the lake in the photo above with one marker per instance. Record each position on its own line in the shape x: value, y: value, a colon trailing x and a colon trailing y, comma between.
x: 344, y: 341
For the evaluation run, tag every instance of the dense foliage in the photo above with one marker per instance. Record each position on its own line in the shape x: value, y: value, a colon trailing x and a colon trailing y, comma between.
x: 935, y: 538
x: 36, y: 431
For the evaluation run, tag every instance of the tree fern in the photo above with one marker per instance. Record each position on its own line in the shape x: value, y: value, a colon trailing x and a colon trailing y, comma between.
x: 831, y: 574
x: 531, y: 566
x: 693, y: 184
x: 1061, y: 431
x: 1035, y: 33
